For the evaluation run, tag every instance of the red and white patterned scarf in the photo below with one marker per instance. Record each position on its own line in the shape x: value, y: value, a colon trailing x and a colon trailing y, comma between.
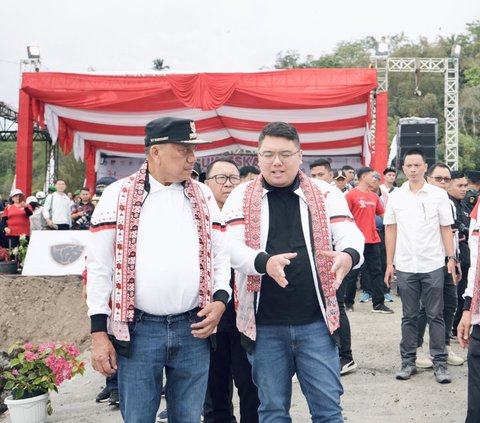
x: 475, y: 306
x: 252, y: 206
x: 130, y: 202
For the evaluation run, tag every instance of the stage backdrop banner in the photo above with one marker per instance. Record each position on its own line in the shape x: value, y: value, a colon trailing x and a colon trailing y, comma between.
x: 56, y: 253
x: 121, y: 167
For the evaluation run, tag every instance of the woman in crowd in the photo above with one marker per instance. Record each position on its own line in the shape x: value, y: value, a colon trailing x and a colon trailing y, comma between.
x: 16, y: 218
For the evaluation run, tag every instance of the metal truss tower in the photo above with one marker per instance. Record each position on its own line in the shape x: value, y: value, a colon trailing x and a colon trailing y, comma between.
x: 447, y: 66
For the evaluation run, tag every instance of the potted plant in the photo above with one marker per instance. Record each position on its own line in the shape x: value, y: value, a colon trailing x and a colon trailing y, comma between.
x: 6, y: 264
x: 20, y: 251
x: 33, y: 372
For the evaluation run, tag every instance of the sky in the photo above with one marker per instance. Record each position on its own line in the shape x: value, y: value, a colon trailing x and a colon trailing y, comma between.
x: 120, y: 36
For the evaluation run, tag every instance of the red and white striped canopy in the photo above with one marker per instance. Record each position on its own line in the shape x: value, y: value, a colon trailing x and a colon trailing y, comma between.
x: 89, y: 114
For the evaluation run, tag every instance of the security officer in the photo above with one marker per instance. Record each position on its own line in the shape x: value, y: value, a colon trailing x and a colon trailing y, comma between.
x: 472, y: 195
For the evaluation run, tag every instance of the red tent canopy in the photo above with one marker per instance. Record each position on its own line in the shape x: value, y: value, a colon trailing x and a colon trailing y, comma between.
x: 88, y: 114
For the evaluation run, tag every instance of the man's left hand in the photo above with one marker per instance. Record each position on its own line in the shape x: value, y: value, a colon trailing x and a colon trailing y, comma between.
x: 212, y: 313
x: 342, y: 264
x: 451, y: 268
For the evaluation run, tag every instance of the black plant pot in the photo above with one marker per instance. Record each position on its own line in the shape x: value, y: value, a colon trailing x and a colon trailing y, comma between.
x: 8, y: 267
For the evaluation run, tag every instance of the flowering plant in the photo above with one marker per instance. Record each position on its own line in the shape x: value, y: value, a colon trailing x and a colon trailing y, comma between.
x: 20, y: 251
x: 37, y: 370
x: 4, y: 254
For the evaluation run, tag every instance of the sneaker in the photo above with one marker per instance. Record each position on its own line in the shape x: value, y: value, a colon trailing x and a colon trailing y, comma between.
x: 103, y: 395
x: 162, y: 416
x: 347, y: 366
x: 365, y: 297
x: 406, y: 372
x: 388, y: 297
x: 114, y: 398
x: 453, y: 359
x: 442, y: 375
x: 382, y: 308
x: 423, y: 361
x: 349, y: 307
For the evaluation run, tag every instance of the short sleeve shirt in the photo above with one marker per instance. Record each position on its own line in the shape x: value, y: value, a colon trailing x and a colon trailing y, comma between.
x: 365, y: 206
x: 418, y: 216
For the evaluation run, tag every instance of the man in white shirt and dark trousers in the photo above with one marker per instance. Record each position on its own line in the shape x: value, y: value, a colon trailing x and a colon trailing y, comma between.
x: 418, y: 236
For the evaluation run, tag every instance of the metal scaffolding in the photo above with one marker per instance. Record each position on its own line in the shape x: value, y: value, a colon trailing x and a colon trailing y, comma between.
x: 447, y: 66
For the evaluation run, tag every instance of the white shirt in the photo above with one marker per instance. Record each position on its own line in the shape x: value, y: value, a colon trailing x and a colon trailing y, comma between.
x: 418, y: 216
x: 167, y: 275
x: 57, y: 208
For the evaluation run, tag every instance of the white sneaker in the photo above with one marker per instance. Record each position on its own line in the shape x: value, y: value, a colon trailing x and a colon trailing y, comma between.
x: 453, y: 359
x: 423, y: 361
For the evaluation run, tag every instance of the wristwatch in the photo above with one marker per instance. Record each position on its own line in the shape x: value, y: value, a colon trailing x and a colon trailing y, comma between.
x: 451, y: 258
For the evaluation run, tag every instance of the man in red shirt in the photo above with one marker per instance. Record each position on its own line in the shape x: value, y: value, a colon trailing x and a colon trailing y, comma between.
x: 365, y: 205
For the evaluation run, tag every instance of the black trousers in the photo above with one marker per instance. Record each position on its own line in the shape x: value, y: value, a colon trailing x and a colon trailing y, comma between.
x: 473, y: 414
x: 461, y: 287
x: 229, y: 359
x: 344, y: 332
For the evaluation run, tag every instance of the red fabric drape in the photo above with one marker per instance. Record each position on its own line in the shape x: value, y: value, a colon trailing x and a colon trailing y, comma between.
x: 90, y: 176
x: 381, y: 133
x: 24, y: 145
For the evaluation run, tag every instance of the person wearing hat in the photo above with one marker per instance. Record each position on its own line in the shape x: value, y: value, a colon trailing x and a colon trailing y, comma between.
x: 341, y: 182
x: 16, y: 218
x: 56, y: 210
x: 158, y: 251
x: 40, y: 197
x: 36, y: 217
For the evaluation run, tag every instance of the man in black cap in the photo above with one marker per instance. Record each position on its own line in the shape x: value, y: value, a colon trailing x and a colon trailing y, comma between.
x: 471, y: 197
x: 158, y: 253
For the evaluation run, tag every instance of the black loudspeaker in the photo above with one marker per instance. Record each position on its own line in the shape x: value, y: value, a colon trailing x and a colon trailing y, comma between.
x: 417, y: 134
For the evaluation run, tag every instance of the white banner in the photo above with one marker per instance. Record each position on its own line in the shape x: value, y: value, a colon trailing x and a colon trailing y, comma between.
x: 56, y: 253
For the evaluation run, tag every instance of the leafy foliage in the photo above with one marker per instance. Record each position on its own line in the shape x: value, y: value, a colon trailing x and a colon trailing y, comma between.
x: 402, y: 101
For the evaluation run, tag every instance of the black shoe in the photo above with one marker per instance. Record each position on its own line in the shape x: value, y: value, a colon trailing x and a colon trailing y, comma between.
x: 103, y: 395
x: 382, y: 308
x: 114, y: 399
x: 347, y: 366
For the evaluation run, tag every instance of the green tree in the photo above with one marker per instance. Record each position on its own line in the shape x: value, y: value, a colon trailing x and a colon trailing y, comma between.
x: 159, y: 64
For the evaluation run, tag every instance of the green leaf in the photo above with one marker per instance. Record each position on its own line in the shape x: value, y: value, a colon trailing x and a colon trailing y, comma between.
x: 20, y: 392
x: 32, y: 376
x: 14, y: 362
x: 9, y: 385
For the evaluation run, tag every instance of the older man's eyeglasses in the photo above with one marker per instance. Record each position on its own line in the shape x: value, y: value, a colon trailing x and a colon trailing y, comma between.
x: 221, y: 179
x: 284, y: 156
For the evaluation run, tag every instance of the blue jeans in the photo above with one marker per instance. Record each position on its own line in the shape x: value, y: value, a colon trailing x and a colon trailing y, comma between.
x: 160, y: 342
x: 308, y: 350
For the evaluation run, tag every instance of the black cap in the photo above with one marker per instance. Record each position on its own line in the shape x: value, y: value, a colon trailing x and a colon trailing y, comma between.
x: 473, y: 175
x: 171, y: 130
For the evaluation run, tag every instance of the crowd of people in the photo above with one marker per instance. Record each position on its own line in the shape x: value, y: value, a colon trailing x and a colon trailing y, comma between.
x: 211, y: 283
x: 297, y: 246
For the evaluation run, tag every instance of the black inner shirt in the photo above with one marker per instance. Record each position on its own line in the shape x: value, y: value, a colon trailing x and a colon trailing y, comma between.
x: 297, y: 304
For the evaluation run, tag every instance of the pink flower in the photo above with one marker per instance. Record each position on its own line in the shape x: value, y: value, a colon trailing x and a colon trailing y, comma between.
x: 73, y: 350
x: 15, y: 372
x: 30, y: 356
x: 28, y: 346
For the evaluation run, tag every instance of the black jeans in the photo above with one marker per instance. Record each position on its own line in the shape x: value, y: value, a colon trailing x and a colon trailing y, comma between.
x: 230, y: 358
x: 449, y: 307
x: 344, y: 333
x: 373, y: 264
x: 473, y: 358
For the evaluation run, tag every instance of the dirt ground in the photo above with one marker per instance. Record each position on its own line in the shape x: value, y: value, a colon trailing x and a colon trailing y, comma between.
x: 43, y: 309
